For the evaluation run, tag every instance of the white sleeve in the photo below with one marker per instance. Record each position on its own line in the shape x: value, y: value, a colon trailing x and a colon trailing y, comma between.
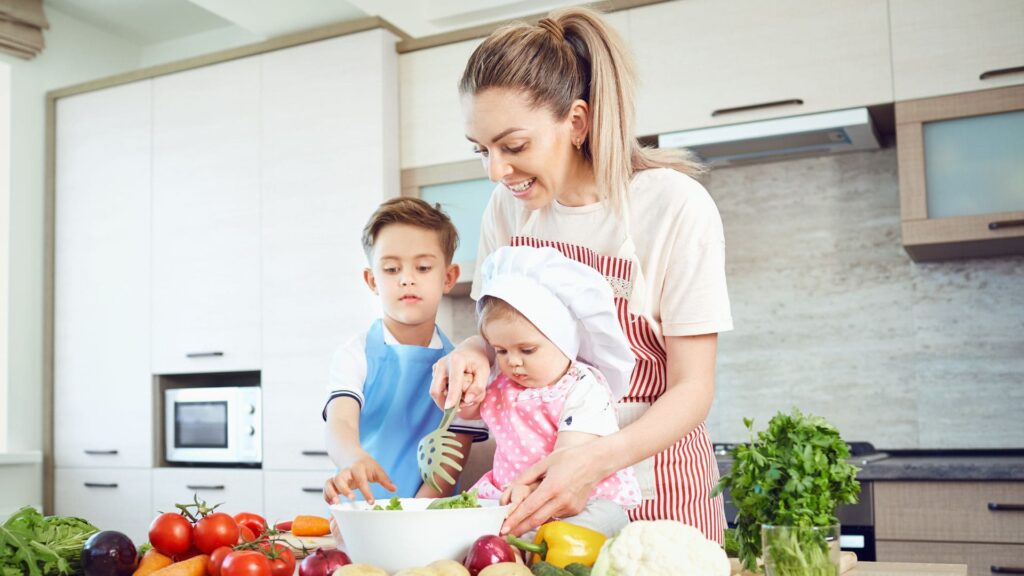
x: 348, y: 371
x: 588, y: 407
x: 492, y: 229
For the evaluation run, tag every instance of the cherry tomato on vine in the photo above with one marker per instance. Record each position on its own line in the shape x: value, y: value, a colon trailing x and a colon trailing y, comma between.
x: 245, y: 563
x: 215, y: 530
x: 282, y: 559
x: 171, y: 534
x: 216, y: 560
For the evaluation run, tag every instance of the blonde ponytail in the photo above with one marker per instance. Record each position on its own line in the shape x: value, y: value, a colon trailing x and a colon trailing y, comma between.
x: 574, y: 54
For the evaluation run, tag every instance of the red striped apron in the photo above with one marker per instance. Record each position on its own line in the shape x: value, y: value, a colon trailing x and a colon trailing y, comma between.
x: 677, y: 482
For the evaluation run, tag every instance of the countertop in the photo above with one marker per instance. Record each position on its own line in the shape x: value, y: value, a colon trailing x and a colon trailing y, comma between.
x: 932, y: 466
x: 897, y: 569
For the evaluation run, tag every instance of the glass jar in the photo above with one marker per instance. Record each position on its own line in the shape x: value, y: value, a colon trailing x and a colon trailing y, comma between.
x: 800, y: 550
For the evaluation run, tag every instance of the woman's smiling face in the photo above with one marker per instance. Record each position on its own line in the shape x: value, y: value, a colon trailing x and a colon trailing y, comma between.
x: 522, y: 146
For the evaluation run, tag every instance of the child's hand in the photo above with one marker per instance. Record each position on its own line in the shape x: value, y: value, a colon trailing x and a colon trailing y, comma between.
x: 357, y: 477
x: 515, y: 494
x: 473, y: 369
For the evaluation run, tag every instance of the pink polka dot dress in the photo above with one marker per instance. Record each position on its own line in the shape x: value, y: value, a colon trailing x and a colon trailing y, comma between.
x: 525, y: 423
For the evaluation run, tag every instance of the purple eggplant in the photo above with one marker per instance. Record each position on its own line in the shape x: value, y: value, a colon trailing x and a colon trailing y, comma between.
x: 488, y: 550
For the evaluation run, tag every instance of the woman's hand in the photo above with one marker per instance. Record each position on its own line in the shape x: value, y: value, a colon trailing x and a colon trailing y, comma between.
x: 566, y: 480
x: 357, y: 477
x: 467, y: 365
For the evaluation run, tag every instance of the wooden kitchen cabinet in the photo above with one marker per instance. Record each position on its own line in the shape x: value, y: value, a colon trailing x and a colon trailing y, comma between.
x: 206, y: 219
x: 327, y: 167
x: 948, y: 46
x: 109, y: 498
x: 102, y: 383
x: 240, y: 490
x: 701, y: 60
x: 973, y: 522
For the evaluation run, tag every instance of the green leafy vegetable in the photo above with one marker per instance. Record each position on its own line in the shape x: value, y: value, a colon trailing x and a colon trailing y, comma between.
x: 464, y: 500
x: 393, y: 504
x: 42, y: 546
x: 792, y: 474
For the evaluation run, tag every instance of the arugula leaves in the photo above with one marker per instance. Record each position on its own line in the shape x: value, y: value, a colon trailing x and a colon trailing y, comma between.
x: 41, y: 546
x: 792, y: 474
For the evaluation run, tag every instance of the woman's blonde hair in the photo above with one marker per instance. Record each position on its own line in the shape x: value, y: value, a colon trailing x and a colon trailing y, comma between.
x: 573, y: 54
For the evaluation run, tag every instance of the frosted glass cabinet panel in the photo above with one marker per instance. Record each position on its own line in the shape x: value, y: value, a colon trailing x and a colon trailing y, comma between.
x: 975, y: 165
x: 961, y: 174
x: 464, y: 202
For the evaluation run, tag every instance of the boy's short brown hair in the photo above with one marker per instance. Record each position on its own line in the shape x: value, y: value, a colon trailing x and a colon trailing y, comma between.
x: 414, y: 212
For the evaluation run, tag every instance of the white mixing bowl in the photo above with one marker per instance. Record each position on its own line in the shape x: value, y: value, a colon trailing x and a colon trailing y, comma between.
x: 414, y: 536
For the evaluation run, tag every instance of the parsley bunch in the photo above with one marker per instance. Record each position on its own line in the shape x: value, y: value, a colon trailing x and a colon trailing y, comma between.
x: 42, y: 546
x: 792, y: 474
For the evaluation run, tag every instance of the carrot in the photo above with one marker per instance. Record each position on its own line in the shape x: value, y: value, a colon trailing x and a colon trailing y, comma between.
x: 194, y: 566
x: 310, y: 526
x: 151, y: 562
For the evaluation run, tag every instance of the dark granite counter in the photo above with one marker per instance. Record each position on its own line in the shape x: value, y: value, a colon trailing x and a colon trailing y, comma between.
x: 908, y: 465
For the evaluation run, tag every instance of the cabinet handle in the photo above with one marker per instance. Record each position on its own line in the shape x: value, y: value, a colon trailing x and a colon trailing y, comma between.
x: 101, y: 452
x: 1005, y: 224
x: 1006, y: 569
x: 314, y: 452
x: 999, y: 507
x: 791, y: 102
x: 1000, y: 72
x: 203, y: 354
x: 201, y: 487
x: 100, y: 485
x: 312, y: 490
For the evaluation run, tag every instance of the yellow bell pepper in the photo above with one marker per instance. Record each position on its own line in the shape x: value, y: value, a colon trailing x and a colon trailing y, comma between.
x: 560, y: 543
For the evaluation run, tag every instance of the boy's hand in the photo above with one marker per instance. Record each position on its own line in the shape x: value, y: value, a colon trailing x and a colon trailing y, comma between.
x: 357, y: 477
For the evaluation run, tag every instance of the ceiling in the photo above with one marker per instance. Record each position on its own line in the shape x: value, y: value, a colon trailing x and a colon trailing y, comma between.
x: 148, y: 22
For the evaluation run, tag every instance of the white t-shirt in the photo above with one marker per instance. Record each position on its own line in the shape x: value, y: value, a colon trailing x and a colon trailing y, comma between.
x: 679, y: 241
x: 348, y: 374
x: 588, y: 406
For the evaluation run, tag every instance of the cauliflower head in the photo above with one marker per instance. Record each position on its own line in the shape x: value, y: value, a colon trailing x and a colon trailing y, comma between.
x: 661, y: 548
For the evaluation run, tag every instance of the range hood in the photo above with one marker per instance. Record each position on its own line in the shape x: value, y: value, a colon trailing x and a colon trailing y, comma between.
x: 778, y: 138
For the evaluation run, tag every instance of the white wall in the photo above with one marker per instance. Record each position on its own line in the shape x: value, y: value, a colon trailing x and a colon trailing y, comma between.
x: 75, y: 52
x: 5, y: 195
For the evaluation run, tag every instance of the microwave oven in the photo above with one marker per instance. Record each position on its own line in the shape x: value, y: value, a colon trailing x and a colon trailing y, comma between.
x: 220, y: 425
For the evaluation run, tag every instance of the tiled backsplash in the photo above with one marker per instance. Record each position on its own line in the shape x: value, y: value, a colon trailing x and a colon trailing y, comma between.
x: 833, y: 317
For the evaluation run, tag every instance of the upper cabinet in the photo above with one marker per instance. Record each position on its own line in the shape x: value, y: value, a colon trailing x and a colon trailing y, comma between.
x: 948, y: 46
x: 710, y: 62
x: 102, y: 383
x: 206, y: 219
x: 330, y: 157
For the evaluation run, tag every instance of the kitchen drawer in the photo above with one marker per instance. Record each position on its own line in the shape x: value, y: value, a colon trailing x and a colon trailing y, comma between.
x: 109, y: 498
x: 980, y: 558
x: 289, y: 493
x: 238, y: 490
x: 948, y: 511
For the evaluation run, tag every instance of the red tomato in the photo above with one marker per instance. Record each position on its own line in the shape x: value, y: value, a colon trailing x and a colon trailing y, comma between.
x: 245, y: 563
x: 254, y: 522
x: 217, y: 529
x: 282, y: 560
x: 216, y: 560
x: 245, y: 534
x: 171, y: 534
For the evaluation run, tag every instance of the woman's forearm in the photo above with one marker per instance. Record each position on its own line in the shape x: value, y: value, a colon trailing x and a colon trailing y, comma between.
x: 476, y: 343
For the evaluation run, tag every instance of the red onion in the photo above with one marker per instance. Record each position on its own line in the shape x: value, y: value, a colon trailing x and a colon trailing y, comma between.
x: 323, y: 562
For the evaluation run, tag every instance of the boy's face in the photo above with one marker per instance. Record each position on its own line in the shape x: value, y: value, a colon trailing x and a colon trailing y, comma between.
x: 409, y: 273
x: 525, y: 355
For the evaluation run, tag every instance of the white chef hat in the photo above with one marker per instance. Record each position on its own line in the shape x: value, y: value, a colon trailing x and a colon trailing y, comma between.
x: 569, y: 302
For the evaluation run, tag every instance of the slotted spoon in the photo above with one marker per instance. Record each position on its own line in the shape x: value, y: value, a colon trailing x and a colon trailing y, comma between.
x: 435, y: 451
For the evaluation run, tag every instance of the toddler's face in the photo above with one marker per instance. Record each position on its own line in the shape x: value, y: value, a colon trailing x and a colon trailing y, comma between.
x: 524, y: 354
x: 409, y: 273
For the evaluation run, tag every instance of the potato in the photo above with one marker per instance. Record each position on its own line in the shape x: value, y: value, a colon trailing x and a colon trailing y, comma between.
x: 506, y: 569
x: 417, y: 572
x: 359, y: 570
x: 449, y: 568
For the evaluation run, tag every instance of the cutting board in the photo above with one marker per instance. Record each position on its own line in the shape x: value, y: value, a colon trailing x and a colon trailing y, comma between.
x: 310, y: 543
x: 847, y: 560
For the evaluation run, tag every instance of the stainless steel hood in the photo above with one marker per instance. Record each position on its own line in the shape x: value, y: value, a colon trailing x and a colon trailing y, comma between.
x: 778, y: 138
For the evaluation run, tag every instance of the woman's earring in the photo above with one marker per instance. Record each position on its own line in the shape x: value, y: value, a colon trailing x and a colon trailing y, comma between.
x: 578, y: 143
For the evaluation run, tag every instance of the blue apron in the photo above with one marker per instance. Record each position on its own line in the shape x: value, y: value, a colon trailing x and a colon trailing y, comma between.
x: 397, y: 409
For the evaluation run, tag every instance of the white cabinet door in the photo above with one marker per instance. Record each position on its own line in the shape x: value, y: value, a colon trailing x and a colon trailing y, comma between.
x: 287, y: 494
x: 330, y: 158
x: 206, y: 219
x: 102, y: 382
x: 109, y: 498
x: 698, y: 60
x: 239, y: 490
x: 946, y: 46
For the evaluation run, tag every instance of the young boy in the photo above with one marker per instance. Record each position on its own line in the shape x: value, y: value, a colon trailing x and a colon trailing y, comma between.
x: 379, y: 405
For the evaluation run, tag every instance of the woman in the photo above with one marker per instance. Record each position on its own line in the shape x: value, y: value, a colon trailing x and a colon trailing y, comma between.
x: 550, y: 110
